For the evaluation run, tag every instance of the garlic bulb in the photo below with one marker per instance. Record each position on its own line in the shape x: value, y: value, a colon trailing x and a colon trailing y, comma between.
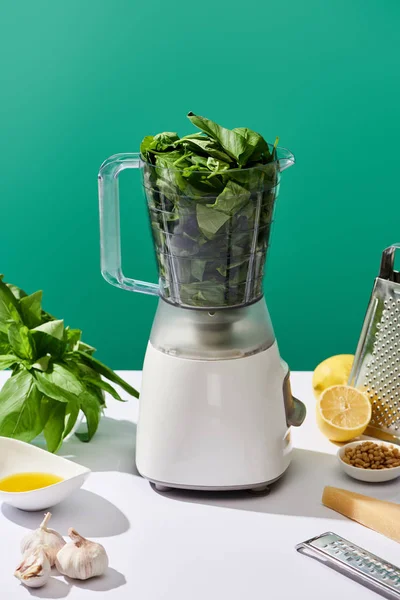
x: 34, y: 569
x: 51, y: 540
x: 81, y: 559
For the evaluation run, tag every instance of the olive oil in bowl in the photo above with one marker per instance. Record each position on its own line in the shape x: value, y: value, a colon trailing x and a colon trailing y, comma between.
x: 26, y: 482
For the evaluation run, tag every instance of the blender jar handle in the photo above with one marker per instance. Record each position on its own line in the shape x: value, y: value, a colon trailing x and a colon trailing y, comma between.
x: 110, y: 231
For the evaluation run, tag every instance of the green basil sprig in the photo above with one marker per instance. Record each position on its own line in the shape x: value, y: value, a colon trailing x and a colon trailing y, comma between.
x: 54, y: 374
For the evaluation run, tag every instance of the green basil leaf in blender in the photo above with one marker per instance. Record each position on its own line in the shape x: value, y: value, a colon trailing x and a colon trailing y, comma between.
x: 197, y: 269
x: 233, y: 143
x: 157, y: 143
x: 210, y: 221
x: 232, y: 199
x: 204, y: 146
x: 216, y: 165
x: 256, y: 145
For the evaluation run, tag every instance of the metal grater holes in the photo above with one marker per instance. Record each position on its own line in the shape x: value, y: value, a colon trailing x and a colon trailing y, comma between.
x: 383, y: 370
x: 350, y: 554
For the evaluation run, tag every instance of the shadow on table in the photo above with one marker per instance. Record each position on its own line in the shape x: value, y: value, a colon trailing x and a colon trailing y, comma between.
x: 111, y: 580
x: 60, y: 588
x: 112, y: 449
x: 90, y: 513
x: 298, y: 493
x: 55, y: 588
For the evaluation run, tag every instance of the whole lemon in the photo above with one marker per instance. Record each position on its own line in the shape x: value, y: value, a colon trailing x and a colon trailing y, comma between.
x: 332, y: 371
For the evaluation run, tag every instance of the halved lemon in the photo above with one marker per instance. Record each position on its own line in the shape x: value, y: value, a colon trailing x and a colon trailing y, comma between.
x: 343, y: 412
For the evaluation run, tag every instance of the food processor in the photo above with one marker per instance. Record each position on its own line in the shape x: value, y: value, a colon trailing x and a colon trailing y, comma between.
x: 215, y: 407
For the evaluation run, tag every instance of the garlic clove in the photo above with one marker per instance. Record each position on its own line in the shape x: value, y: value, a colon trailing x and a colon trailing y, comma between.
x: 34, y: 569
x: 81, y: 558
x: 50, y: 539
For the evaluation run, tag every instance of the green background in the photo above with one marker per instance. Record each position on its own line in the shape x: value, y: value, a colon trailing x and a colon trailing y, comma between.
x: 84, y: 79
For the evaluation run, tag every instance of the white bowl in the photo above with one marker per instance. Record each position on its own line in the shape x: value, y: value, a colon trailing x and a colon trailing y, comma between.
x: 20, y: 457
x: 370, y: 475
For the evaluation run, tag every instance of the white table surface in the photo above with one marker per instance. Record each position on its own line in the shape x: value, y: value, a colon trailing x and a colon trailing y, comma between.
x: 192, y: 546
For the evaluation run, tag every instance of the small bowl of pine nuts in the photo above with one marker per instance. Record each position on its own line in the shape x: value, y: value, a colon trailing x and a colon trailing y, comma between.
x: 369, y: 460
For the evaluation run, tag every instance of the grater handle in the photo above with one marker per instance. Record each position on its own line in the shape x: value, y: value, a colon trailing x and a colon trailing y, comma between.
x: 387, y: 264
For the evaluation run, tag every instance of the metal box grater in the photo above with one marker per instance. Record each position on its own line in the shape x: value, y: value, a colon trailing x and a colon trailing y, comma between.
x: 376, y: 367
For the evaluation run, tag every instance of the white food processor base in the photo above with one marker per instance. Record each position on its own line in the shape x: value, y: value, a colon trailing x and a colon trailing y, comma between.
x: 213, y: 424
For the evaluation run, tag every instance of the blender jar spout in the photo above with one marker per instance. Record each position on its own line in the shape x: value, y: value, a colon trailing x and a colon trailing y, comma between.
x: 285, y: 159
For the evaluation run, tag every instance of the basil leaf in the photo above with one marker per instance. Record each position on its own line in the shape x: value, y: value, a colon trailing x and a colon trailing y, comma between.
x: 21, y: 341
x: 103, y: 385
x: 198, y: 267
x: 31, y: 309
x: 60, y: 384
x: 205, y: 146
x: 5, y: 346
x: 256, y: 145
x: 20, y: 407
x: 54, y: 428
x: 232, y: 142
x: 146, y: 146
x: 53, y: 328
x: 46, y: 406
x: 210, y: 221
x: 84, y: 374
x: 71, y: 415
x: 72, y: 338
x: 85, y: 348
x: 9, y: 311
x: 157, y: 143
x: 47, y: 344
x: 92, y: 410
x: 49, y: 338
x: 7, y: 360
x: 216, y: 165
x: 42, y: 364
x: 203, y: 293
x: 232, y: 199
x: 60, y: 420
x: 107, y: 373
x: 16, y: 291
